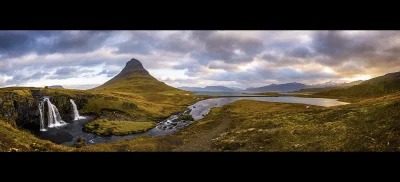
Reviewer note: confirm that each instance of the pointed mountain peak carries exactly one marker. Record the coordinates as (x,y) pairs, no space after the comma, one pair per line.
(133,67)
(135,78)
(134,63)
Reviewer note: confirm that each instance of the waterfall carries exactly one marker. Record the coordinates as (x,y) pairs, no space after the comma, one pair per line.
(41,108)
(75,111)
(54,118)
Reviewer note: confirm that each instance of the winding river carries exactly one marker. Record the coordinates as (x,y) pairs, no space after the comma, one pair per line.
(68,134)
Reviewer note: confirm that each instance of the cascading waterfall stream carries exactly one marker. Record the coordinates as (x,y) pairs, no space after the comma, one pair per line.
(75,110)
(54,118)
(41,108)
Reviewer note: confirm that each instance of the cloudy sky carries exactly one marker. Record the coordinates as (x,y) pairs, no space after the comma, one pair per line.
(85,59)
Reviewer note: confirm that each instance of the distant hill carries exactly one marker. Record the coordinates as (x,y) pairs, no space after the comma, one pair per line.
(351,83)
(287,87)
(191,89)
(135,78)
(374,87)
(331,87)
(218,89)
(236,89)
(208,89)
(388,77)
(55,86)
(323,85)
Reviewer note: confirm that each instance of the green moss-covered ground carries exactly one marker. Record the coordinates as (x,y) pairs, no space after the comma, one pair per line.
(15,140)
(369,125)
(106,128)
(151,106)
(370,89)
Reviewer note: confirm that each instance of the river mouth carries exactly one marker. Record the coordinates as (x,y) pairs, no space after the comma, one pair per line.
(69,133)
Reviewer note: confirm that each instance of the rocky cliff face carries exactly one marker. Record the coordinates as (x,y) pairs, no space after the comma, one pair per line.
(23,111)
(63,104)
(18,110)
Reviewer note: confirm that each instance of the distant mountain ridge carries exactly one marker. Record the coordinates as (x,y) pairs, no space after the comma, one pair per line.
(55,86)
(209,89)
(331,87)
(326,84)
(236,89)
(287,87)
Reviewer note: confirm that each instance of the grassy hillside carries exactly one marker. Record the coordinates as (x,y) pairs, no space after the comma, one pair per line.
(134,78)
(340,86)
(139,95)
(14,140)
(387,77)
(151,106)
(369,125)
(245,125)
(368,89)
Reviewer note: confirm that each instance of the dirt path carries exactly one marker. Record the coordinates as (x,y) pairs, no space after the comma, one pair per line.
(202,141)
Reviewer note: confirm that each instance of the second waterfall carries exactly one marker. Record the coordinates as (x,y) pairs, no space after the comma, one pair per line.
(75,111)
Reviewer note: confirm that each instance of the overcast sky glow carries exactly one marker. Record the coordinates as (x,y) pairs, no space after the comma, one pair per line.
(85,59)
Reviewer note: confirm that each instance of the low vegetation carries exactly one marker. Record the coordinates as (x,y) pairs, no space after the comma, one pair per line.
(369,90)
(369,125)
(80,143)
(106,128)
(372,88)
(14,140)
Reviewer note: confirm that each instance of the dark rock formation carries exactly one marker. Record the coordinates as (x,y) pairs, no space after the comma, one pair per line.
(19,111)
(55,86)
(23,111)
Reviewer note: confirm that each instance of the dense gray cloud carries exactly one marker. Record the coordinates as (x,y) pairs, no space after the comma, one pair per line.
(65,71)
(19,78)
(369,50)
(17,43)
(300,52)
(339,47)
(238,57)
(230,49)
(109,73)
(223,66)
(39,75)
(69,72)
(269,76)
(13,42)
(269,57)
(137,42)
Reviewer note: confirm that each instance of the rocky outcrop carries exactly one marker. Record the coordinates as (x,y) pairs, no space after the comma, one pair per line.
(19,110)
(23,111)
